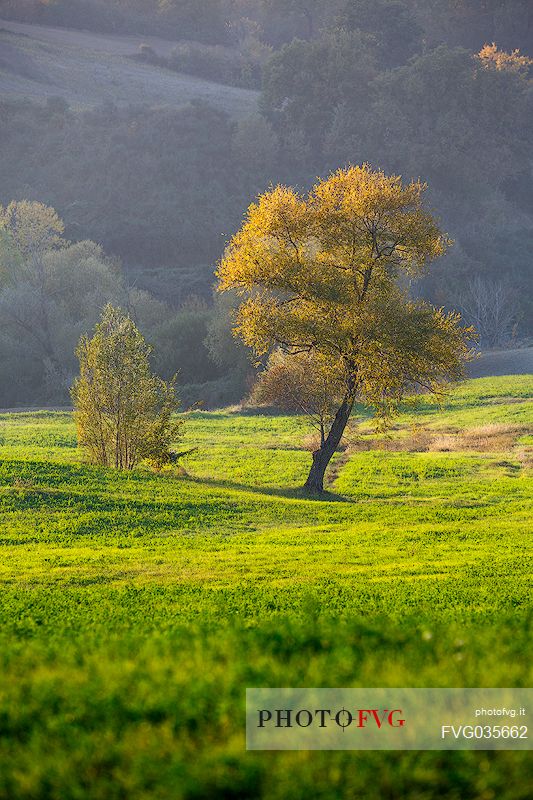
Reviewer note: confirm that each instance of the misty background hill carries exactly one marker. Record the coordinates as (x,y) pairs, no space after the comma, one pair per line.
(150,126)
(86,69)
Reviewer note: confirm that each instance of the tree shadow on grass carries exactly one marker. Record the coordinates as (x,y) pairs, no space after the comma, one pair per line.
(298,493)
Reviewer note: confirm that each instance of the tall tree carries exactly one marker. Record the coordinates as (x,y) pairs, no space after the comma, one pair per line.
(328,273)
(32,230)
(391,22)
(304,82)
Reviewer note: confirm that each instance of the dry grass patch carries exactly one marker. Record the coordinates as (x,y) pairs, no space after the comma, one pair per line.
(493,437)
(445,443)
(488,438)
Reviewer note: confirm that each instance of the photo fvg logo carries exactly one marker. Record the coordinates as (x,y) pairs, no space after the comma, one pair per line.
(323,717)
(385,718)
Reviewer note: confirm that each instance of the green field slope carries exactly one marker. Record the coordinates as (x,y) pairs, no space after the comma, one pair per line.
(136,608)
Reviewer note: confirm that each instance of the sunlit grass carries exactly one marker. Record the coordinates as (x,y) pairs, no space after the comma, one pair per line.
(136,608)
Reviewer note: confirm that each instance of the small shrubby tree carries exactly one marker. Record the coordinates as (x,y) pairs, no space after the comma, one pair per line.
(305,383)
(123,412)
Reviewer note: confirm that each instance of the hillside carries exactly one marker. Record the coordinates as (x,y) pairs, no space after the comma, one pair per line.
(86,69)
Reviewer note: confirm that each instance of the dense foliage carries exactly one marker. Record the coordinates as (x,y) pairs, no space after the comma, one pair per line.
(399,25)
(123,412)
(414,88)
(327,274)
(149,185)
(52,292)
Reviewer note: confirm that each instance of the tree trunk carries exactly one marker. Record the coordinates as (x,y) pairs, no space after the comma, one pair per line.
(321,457)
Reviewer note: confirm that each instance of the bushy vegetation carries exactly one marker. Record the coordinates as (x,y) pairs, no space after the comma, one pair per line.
(240,66)
(123,412)
(136,608)
(408,86)
(52,292)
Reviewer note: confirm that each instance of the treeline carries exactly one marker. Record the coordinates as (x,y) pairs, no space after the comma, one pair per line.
(52,292)
(465,23)
(153,186)
(162,190)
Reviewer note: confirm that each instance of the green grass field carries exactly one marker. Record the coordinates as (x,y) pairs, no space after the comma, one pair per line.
(136,608)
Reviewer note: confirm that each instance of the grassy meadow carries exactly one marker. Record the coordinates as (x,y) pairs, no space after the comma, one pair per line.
(136,608)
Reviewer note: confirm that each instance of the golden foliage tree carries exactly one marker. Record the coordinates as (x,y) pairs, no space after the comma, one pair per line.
(328,274)
(492,58)
(123,412)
